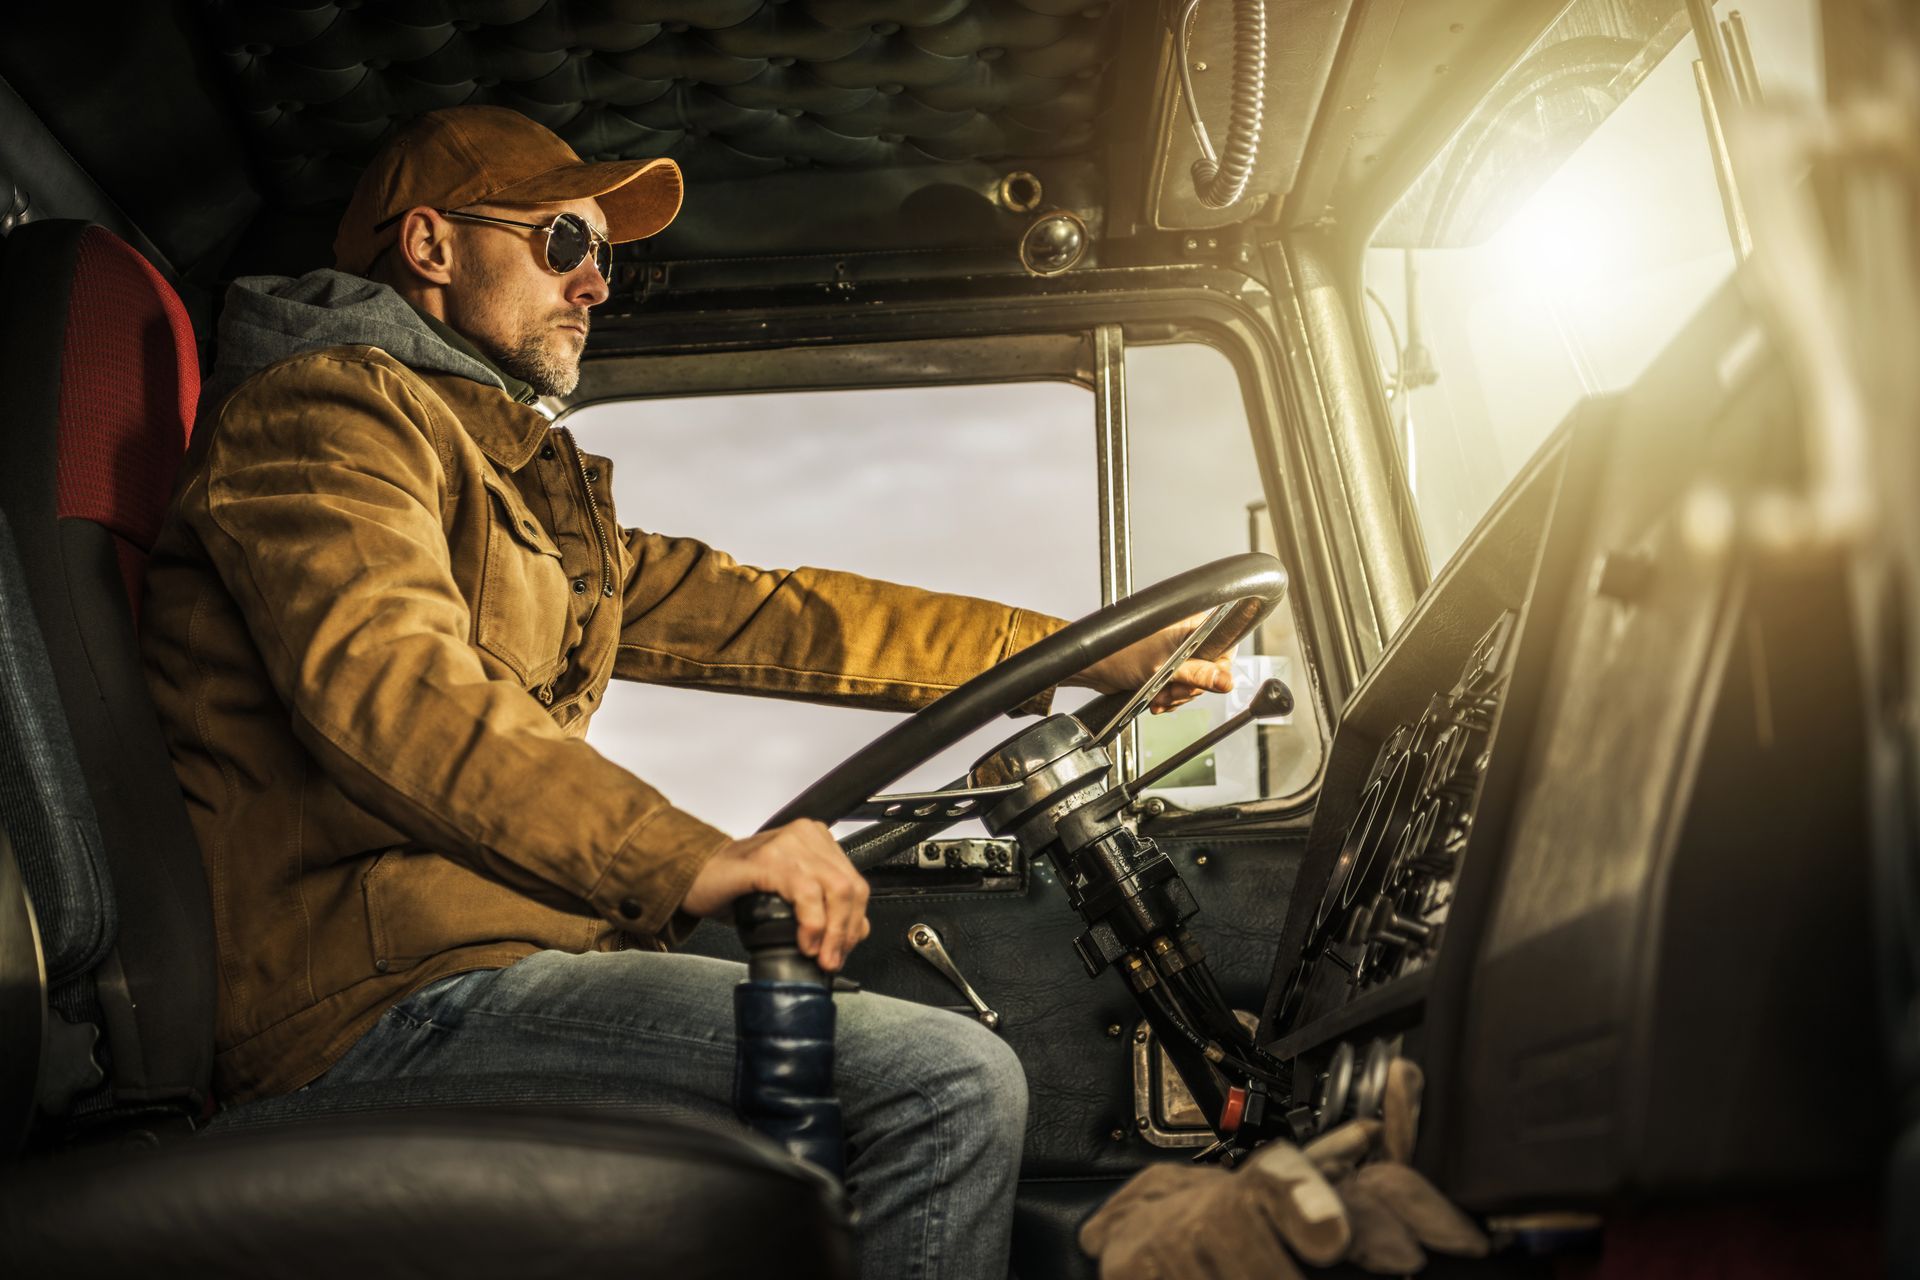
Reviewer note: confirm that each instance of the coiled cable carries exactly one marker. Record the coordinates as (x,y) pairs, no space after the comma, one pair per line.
(1220,179)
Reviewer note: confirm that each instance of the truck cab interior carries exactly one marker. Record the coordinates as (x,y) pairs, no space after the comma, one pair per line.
(1528,385)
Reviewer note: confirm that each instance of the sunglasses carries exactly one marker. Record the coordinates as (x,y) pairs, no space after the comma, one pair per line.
(569,239)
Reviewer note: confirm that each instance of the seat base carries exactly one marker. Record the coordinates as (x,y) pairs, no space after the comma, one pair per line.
(478,1192)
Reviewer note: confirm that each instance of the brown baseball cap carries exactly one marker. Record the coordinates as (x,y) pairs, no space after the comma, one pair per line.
(460,156)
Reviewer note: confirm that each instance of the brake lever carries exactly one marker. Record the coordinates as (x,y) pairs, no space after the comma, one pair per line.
(1272,698)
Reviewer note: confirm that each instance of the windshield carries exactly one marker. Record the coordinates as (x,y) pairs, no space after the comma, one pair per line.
(1486,343)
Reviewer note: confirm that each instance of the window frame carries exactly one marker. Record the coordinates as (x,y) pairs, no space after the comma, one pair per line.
(1014,337)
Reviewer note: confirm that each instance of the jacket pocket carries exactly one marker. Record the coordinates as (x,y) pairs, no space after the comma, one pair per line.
(422,904)
(521,615)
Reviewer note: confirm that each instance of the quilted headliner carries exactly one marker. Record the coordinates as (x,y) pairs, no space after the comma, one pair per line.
(729,88)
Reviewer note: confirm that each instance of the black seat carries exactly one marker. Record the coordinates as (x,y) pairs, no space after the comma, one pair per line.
(124,1174)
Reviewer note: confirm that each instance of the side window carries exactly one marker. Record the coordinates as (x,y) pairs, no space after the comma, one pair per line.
(1558,244)
(987,490)
(1194,495)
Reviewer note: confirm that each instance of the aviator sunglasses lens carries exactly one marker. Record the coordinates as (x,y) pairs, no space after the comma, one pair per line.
(567,241)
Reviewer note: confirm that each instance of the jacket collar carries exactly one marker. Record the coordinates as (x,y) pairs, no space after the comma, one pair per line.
(506,432)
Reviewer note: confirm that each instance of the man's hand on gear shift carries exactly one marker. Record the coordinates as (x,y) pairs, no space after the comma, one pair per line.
(1350,1195)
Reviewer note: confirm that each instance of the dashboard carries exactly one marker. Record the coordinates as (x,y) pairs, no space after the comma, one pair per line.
(1589,842)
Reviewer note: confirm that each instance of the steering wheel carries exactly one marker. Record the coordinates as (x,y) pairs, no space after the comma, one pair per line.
(1239,590)
(783,1013)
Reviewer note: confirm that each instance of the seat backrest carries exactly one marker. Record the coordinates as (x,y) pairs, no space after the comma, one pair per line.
(99,359)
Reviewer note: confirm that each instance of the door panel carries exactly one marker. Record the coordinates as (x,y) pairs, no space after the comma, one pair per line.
(1016,950)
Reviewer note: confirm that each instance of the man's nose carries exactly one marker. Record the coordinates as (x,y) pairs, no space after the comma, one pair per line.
(586,287)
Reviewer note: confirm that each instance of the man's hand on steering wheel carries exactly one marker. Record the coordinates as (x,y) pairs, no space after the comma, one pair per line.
(1127,670)
(800,862)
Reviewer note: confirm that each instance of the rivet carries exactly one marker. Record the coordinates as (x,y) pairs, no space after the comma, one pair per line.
(1140,1037)
(1118,1135)
(1140,1123)
(1199,859)
(593,475)
(1113,1029)
(546,454)
(380,965)
(1199,65)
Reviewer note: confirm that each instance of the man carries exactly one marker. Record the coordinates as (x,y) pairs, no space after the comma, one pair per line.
(385,605)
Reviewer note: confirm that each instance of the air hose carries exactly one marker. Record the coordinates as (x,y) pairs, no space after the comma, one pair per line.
(1221,179)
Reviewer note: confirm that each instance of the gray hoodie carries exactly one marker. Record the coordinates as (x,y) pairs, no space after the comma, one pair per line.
(269,318)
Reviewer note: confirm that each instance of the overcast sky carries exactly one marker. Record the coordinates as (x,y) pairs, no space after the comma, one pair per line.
(986,490)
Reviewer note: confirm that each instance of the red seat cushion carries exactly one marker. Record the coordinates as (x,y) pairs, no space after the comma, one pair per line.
(129,380)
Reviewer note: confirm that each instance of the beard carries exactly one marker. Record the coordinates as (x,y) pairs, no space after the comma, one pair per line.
(543,360)
(537,354)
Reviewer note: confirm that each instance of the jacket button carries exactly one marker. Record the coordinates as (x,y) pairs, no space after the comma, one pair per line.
(630,908)
(547,454)
(379,966)
(579,586)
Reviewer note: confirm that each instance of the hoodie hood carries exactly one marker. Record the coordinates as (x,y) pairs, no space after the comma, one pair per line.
(266,319)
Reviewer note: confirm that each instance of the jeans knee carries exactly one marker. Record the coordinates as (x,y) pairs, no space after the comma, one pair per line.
(990,1084)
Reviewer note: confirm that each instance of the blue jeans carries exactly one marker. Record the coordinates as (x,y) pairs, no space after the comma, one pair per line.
(935,1105)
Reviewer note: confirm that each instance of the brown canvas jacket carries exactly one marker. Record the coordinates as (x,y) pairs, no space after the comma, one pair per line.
(378,621)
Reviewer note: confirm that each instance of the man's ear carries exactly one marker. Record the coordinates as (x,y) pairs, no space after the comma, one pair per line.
(424,251)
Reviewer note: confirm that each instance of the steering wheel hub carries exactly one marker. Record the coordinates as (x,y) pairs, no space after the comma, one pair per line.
(1058,768)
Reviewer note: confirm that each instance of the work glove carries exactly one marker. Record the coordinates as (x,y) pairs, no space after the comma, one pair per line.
(1348,1196)
(1178,1222)
(1393,1213)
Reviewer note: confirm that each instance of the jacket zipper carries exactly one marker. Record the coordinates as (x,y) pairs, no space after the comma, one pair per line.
(593,513)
